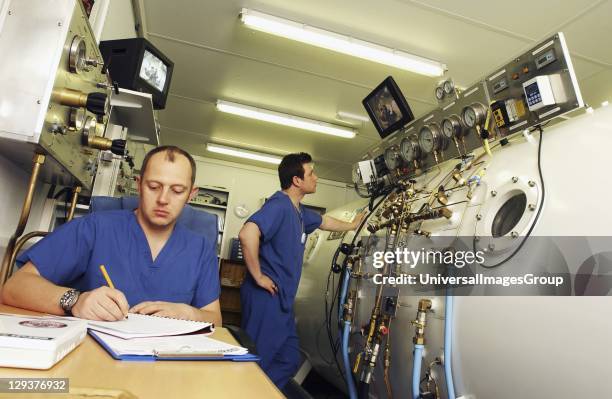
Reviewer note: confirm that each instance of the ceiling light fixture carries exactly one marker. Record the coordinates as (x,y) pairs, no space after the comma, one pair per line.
(340,43)
(349,117)
(236,152)
(284,119)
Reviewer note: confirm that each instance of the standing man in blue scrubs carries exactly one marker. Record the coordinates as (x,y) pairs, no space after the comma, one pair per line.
(156,266)
(273,246)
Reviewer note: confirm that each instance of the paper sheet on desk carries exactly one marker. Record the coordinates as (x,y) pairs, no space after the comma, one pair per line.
(183,344)
(141,326)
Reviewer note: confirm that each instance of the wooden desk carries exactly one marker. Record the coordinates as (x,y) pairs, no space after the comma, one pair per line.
(90,366)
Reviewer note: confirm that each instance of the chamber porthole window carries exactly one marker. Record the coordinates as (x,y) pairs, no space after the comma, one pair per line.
(509,215)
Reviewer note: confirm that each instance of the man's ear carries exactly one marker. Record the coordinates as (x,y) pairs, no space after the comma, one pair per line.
(296,181)
(193,193)
(138,181)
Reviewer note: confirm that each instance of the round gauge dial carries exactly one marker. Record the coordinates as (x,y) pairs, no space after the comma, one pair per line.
(77,55)
(448,86)
(473,115)
(431,139)
(410,149)
(439,92)
(392,158)
(451,127)
(427,141)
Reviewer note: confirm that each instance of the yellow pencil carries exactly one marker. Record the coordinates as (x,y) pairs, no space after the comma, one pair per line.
(108,280)
(107,277)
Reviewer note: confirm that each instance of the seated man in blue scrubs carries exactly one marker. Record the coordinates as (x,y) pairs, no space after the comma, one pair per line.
(273,246)
(156,266)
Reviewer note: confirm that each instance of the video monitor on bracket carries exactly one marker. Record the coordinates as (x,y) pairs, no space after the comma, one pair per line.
(136,64)
(387,107)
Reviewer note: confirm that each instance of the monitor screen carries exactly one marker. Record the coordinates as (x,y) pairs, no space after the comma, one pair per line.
(387,108)
(153,70)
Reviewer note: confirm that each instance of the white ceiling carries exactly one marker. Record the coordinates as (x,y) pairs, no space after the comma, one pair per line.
(216,57)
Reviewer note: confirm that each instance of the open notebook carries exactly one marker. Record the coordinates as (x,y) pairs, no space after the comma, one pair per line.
(148,338)
(141,326)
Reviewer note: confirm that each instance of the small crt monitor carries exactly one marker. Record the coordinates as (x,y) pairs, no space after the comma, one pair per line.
(387,108)
(153,70)
(136,64)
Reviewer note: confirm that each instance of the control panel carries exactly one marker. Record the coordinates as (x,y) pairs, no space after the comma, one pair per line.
(54,90)
(534,87)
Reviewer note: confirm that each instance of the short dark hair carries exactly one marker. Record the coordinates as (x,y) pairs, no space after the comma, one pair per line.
(292,165)
(170,150)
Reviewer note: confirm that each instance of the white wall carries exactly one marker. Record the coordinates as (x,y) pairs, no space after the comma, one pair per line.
(119,21)
(249,185)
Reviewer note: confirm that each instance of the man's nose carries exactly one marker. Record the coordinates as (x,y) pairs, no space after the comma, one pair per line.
(162,198)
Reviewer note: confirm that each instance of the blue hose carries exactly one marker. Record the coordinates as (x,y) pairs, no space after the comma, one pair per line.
(416,370)
(345,283)
(448,337)
(345,359)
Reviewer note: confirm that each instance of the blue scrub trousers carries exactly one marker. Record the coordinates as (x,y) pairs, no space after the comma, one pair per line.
(273,331)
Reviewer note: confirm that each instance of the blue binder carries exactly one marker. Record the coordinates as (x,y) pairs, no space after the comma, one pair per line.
(186,356)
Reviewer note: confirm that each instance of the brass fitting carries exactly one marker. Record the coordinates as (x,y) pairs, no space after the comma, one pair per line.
(99,143)
(447,213)
(348,307)
(458,178)
(69,97)
(441,196)
(421,321)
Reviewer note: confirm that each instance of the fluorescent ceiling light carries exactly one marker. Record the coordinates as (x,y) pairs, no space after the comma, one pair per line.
(347,116)
(235,152)
(284,119)
(340,43)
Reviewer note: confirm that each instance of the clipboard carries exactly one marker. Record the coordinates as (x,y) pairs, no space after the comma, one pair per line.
(174,355)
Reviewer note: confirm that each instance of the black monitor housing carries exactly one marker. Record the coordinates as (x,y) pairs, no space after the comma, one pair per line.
(388,108)
(136,64)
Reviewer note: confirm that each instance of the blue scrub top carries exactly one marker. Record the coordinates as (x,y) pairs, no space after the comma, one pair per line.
(281,249)
(185,271)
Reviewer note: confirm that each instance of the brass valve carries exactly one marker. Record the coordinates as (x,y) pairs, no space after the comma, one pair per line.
(421,321)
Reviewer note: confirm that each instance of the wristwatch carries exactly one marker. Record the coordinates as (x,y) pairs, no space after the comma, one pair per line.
(68,299)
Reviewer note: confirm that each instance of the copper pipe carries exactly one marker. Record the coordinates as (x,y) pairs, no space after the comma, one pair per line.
(5,270)
(22,240)
(75,196)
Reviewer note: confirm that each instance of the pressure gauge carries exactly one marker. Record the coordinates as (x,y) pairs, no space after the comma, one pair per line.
(448,86)
(77,55)
(451,127)
(430,138)
(474,114)
(409,149)
(392,158)
(439,93)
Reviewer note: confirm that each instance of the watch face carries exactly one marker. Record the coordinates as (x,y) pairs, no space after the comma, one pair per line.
(68,300)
